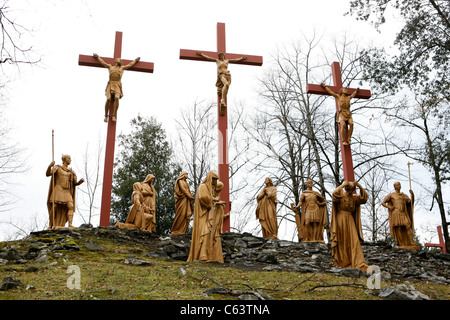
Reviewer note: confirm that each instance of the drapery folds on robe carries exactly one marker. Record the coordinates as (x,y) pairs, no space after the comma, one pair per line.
(266,210)
(139,213)
(216,224)
(183,206)
(202,225)
(346,228)
(149,193)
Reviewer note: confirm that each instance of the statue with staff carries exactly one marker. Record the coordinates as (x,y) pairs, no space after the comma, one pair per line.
(61,194)
(401,215)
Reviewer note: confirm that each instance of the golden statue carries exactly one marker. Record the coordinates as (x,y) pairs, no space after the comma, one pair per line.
(223,76)
(203,218)
(345,115)
(216,223)
(266,211)
(61,194)
(346,228)
(183,205)
(313,215)
(139,214)
(114,88)
(401,219)
(149,193)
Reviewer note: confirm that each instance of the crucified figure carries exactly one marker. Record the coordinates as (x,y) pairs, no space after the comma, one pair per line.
(345,115)
(223,76)
(114,88)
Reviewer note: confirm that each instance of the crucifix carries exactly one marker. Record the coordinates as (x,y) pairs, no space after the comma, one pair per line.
(140,66)
(346,152)
(222,58)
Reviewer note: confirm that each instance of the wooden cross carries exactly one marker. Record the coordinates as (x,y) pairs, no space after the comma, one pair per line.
(222,123)
(441,243)
(90,61)
(346,152)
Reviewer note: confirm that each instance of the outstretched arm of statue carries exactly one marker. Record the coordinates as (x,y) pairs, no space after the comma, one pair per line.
(103,63)
(205,56)
(132,63)
(239,59)
(354,93)
(328,90)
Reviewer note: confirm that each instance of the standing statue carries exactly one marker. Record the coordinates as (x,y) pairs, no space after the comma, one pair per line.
(149,193)
(266,211)
(139,212)
(216,222)
(313,215)
(401,219)
(223,77)
(61,194)
(346,228)
(114,87)
(201,230)
(203,205)
(345,115)
(183,205)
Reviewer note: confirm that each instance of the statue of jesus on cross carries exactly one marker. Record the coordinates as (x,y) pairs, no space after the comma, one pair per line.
(114,87)
(344,115)
(223,75)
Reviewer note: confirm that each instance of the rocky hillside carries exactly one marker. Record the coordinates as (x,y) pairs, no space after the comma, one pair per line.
(241,251)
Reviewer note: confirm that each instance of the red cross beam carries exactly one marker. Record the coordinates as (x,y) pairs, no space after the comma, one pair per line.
(346,152)
(141,66)
(222,123)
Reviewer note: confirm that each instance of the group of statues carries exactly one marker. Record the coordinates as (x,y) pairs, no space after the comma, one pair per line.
(208,209)
(208,213)
(345,227)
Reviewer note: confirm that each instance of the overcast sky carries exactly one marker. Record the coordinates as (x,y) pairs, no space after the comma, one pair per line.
(61,95)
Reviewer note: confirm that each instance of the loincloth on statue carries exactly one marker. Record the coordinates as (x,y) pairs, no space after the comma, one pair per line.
(114,87)
(344,115)
(226,75)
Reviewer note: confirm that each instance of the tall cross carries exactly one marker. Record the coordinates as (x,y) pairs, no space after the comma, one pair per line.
(141,66)
(347,162)
(222,123)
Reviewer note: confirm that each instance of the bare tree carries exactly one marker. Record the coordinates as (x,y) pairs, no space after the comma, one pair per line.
(196,140)
(197,148)
(12,49)
(296,133)
(92,172)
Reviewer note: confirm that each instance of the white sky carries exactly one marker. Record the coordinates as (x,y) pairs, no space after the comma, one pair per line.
(61,95)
